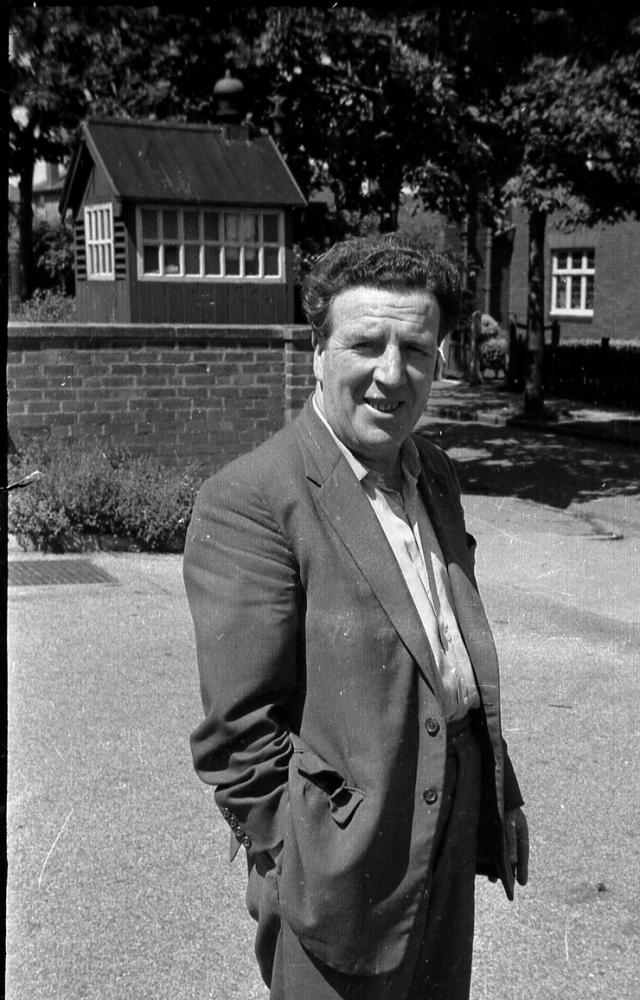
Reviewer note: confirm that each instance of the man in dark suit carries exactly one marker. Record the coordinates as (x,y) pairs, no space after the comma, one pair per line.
(348,672)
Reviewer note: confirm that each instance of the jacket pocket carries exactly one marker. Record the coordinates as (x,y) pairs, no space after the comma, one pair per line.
(343,799)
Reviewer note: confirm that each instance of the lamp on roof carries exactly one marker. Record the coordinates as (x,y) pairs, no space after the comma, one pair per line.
(228,93)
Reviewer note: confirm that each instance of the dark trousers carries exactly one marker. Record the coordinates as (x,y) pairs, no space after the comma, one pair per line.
(438,961)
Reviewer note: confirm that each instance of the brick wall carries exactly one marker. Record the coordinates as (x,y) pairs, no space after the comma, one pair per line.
(616,308)
(184,394)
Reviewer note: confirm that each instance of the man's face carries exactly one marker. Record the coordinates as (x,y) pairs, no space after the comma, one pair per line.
(376,369)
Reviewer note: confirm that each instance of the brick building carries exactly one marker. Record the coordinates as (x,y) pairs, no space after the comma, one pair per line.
(591,275)
(592,279)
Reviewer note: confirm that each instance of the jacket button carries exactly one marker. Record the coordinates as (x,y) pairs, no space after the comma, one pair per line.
(226,813)
(247,841)
(432,726)
(430,796)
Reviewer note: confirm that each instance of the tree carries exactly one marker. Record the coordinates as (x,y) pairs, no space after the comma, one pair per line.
(360,103)
(47,54)
(576,129)
(548,118)
(70,62)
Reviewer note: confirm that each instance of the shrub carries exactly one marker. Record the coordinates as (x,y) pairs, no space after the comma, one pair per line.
(493,353)
(46,306)
(489,327)
(53,256)
(86,492)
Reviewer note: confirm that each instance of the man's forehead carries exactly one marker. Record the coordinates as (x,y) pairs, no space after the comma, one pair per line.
(411,306)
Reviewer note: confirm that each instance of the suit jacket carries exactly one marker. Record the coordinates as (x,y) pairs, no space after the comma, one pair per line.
(310,651)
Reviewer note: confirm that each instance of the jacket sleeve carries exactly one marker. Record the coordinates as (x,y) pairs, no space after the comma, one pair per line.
(512,794)
(243,589)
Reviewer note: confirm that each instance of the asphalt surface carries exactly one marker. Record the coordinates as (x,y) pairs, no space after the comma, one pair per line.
(119,880)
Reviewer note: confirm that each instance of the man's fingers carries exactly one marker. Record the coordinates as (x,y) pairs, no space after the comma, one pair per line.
(522,838)
(517,834)
(512,842)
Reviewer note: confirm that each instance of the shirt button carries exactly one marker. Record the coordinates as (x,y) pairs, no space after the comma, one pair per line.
(432,726)
(430,796)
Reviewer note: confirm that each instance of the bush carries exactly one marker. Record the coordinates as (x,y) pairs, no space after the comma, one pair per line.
(46,306)
(493,353)
(489,327)
(53,256)
(85,493)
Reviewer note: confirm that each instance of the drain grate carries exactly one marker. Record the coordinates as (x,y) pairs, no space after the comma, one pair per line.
(38,572)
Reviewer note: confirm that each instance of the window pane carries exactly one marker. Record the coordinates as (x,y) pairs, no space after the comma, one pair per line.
(149,224)
(232,260)
(591,258)
(271,261)
(232,227)
(562,258)
(212,226)
(250,228)
(109,265)
(575,293)
(270,228)
(212,260)
(191,259)
(251,261)
(150,259)
(590,288)
(170,225)
(191,226)
(172,259)
(561,293)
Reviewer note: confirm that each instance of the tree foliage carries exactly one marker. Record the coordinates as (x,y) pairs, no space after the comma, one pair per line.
(571,130)
(474,109)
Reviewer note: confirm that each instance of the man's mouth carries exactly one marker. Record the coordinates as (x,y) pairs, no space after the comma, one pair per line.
(383,405)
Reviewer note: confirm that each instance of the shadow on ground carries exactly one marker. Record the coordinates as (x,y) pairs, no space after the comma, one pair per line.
(548,469)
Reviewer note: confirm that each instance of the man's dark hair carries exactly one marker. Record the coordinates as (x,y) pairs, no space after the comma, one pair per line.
(389,262)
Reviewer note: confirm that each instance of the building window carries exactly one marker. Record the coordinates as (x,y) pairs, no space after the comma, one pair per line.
(210,245)
(98,237)
(573,275)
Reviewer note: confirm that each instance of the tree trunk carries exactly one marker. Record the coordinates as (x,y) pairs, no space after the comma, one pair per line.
(24,288)
(475,376)
(533,402)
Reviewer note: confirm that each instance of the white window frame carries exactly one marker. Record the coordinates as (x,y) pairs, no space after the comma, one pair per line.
(577,269)
(99,242)
(241,245)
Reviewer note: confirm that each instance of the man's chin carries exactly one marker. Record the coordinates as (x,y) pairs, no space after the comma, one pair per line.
(377,445)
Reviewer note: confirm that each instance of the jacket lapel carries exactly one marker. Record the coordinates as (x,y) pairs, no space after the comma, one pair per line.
(344,503)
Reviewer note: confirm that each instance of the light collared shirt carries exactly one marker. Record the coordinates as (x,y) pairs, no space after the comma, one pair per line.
(408,529)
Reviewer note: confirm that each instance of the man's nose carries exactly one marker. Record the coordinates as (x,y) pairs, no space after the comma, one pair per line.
(390,369)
